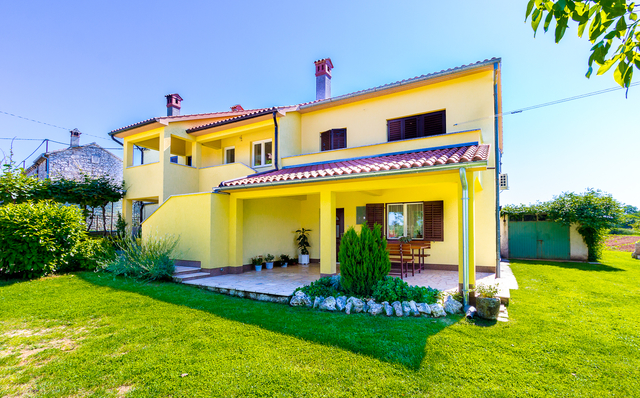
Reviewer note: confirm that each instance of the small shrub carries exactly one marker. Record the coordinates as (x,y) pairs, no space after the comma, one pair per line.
(269,258)
(37,239)
(285,258)
(324,287)
(364,260)
(146,259)
(486,291)
(395,289)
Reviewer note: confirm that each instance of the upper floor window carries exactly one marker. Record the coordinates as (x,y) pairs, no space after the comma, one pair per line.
(262,153)
(433,123)
(333,139)
(229,154)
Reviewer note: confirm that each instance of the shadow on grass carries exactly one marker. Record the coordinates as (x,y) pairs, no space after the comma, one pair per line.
(395,340)
(572,265)
(7,281)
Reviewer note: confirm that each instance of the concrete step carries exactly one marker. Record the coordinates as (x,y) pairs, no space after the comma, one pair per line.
(189,277)
(185,270)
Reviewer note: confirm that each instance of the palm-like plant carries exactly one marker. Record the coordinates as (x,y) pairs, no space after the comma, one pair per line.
(303,240)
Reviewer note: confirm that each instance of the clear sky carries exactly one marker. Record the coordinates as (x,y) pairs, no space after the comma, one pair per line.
(98,66)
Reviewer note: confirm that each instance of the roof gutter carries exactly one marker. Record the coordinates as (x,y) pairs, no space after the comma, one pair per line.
(465,235)
(443,167)
(275,123)
(498,161)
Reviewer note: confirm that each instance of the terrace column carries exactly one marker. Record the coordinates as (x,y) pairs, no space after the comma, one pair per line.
(327,233)
(236,219)
(471,228)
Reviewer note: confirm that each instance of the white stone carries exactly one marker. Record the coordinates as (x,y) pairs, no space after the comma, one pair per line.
(437,310)
(406,308)
(329,304)
(341,303)
(318,301)
(387,308)
(451,305)
(424,308)
(397,308)
(413,308)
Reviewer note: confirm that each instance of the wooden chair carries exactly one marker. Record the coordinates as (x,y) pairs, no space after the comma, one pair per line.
(403,256)
(420,252)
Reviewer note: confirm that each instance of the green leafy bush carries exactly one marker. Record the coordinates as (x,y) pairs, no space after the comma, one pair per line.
(147,259)
(37,239)
(395,289)
(324,287)
(364,260)
(90,254)
(486,291)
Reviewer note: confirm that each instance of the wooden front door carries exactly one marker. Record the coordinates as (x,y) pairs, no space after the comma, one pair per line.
(339,229)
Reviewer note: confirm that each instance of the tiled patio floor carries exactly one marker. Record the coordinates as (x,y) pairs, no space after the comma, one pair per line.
(283,281)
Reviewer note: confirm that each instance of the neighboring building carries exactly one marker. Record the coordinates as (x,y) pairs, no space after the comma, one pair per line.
(76,161)
(420,157)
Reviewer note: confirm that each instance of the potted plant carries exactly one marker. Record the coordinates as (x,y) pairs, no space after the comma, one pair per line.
(257,262)
(487,302)
(284,259)
(268,260)
(303,245)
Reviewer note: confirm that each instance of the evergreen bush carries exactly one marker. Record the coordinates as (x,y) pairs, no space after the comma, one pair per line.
(364,260)
(40,238)
(395,289)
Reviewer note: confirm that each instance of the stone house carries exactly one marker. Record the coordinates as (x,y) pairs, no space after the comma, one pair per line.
(78,160)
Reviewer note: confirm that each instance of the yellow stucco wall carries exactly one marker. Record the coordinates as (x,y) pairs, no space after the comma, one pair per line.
(200,221)
(269,226)
(211,177)
(468,102)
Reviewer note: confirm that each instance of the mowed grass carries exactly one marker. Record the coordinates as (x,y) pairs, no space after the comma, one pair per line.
(572,332)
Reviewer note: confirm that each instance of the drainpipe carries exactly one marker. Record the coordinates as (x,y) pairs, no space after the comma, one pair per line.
(498,165)
(275,157)
(465,235)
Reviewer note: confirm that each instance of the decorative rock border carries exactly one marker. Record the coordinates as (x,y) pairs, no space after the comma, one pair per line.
(353,305)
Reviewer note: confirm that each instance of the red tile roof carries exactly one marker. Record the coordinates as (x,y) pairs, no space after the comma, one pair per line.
(419,159)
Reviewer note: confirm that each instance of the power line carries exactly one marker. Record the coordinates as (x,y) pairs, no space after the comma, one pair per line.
(556,102)
(43,141)
(49,124)
(33,139)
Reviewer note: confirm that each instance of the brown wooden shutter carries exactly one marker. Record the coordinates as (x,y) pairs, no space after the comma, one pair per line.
(325,141)
(395,129)
(339,138)
(434,123)
(434,221)
(410,128)
(375,215)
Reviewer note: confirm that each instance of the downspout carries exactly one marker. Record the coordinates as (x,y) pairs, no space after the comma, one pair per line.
(465,235)
(276,143)
(498,161)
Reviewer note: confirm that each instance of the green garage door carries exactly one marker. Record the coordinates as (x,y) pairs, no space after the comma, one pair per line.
(539,239)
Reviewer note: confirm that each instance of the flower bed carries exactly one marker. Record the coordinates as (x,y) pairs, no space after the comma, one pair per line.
(622,243)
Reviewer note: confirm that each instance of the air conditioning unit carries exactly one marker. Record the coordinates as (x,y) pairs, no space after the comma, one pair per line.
(504,181)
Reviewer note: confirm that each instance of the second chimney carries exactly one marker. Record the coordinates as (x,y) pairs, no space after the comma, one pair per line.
(75,138)
(173,104)
(323,78)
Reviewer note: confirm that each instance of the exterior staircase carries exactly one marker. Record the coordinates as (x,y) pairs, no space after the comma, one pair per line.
(185,273)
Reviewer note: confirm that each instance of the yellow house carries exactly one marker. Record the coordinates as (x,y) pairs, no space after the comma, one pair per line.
(420,156)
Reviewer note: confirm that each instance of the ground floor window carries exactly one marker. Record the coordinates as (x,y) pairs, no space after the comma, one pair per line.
(405,219)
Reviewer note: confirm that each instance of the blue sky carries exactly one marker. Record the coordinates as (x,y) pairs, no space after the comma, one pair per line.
(97,66)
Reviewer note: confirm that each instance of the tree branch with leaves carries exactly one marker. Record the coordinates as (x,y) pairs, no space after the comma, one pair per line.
(611,27)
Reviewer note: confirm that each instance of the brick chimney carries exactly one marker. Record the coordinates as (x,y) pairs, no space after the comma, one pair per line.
(323,78)
(75,138)
(173,104)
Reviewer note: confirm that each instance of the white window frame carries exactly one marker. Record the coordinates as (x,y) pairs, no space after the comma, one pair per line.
(225,154)
(263,153)
(404,213)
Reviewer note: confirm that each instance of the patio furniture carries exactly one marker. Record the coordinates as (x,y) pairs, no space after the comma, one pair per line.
(402,255)
(420,252)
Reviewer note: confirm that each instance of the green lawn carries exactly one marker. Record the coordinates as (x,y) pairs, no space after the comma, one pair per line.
(573,332)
